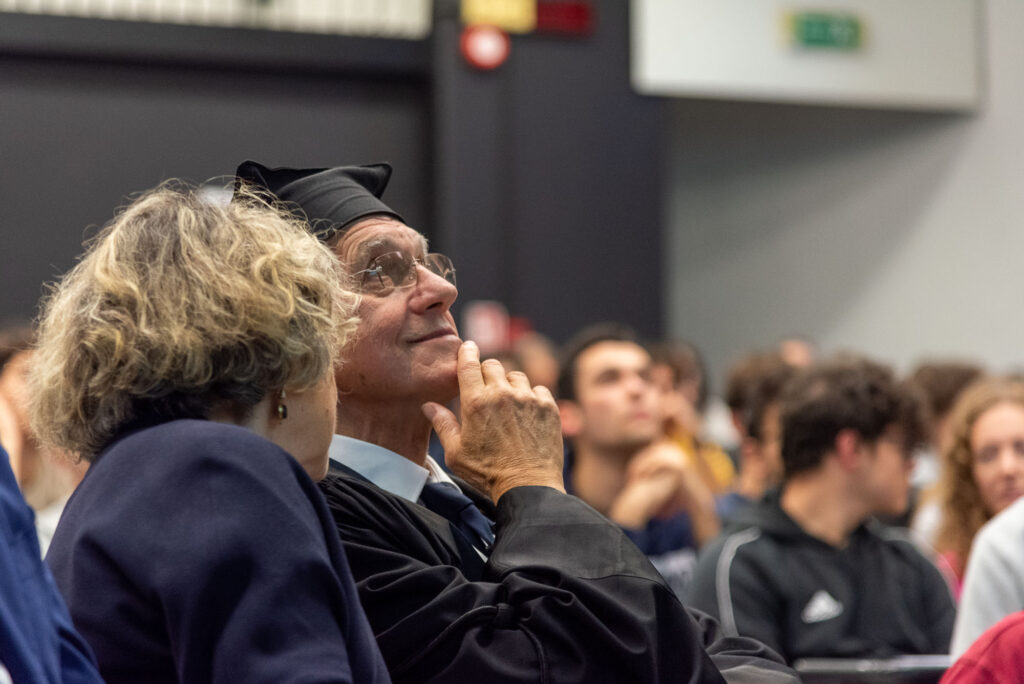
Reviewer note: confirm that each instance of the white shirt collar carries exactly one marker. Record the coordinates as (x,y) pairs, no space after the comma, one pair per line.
(388,470)
(437,473)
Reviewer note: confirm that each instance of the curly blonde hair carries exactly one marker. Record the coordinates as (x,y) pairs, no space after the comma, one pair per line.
(178,306)
(963,512)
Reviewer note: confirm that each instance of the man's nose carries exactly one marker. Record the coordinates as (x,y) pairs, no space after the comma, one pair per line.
(638,385)
(431,291)
(1010,462)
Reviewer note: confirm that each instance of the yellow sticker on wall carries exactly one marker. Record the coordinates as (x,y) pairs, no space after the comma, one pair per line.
(514,16)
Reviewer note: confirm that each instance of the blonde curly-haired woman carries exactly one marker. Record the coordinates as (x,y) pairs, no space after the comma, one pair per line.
(188,357)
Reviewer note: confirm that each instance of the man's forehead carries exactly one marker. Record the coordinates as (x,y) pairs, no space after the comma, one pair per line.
(377,234)
(613,354)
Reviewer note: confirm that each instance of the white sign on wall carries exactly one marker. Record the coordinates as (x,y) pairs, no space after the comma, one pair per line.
(410,19)
(914,54)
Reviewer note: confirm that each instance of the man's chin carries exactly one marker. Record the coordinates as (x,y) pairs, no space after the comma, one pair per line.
(443,389)
(636,442)
(451,389)
(895,510)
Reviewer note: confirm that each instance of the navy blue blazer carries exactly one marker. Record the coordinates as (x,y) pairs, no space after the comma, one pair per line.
(196,551)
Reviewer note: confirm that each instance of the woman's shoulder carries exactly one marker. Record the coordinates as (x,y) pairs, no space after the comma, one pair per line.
(186,471)
(174,444)
(184,432)
(191,461)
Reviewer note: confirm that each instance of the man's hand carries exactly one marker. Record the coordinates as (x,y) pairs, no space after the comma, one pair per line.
(510,435)
(660,482)
(654,486)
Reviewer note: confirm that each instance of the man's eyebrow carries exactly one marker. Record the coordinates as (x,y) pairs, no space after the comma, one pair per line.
(378,245)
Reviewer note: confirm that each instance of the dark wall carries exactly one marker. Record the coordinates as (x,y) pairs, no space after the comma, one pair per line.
(542,178)
(81,130)
(550,190)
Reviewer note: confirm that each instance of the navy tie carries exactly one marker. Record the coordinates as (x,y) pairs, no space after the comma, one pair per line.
(448,501)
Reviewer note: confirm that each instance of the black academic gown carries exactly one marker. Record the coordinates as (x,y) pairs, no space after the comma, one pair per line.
(563,597)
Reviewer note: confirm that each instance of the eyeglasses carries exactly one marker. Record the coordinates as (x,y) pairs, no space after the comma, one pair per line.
(396,270)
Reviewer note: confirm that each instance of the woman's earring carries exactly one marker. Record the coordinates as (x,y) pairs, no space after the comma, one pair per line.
(282,409)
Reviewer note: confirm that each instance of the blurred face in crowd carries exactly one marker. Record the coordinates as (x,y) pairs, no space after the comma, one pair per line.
(997,449)
(678,401)
(671,399)
(406,344)
(617,401)
(888,465)
(796,352)
(14,431)
(771,444)
(538,360)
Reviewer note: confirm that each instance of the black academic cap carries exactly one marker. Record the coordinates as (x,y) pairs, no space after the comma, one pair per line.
(330,199)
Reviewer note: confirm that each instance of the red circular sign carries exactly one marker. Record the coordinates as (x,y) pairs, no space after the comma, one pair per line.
(485,47)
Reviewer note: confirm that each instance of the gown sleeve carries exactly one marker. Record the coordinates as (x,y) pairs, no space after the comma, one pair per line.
(564,595)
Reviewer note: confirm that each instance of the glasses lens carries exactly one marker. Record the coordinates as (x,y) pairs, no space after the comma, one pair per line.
(386,272)
(440,265)
(396,270)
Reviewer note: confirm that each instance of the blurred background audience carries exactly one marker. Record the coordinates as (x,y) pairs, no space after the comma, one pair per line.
(982,465)
(753,387)
(679,375)
(46,476)
(807,570)
(619,458)
(993,585)
(941,382)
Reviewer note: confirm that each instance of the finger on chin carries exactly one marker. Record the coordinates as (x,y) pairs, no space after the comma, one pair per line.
(470,377)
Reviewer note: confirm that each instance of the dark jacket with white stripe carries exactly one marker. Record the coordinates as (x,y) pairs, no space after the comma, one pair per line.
(764,577)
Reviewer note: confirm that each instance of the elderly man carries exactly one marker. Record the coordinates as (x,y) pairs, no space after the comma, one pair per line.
(504,578)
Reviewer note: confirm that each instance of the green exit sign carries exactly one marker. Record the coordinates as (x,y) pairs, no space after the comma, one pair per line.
(825,30)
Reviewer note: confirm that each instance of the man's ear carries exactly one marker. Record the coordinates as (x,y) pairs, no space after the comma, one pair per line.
(848,448)
(572,417)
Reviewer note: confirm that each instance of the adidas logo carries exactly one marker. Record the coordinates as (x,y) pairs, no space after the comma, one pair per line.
(821,607)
